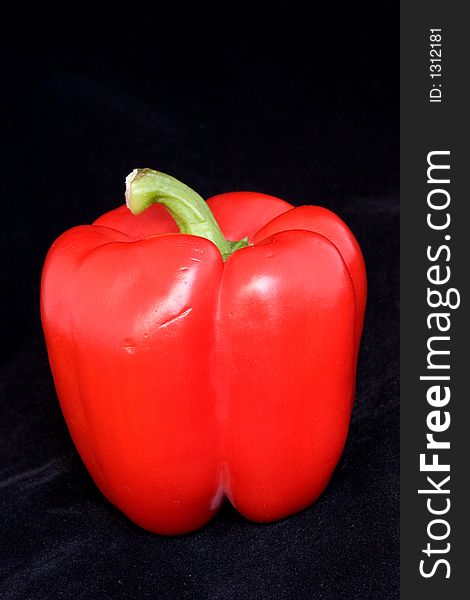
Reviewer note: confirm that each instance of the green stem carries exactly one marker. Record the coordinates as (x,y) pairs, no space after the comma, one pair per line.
(188,209)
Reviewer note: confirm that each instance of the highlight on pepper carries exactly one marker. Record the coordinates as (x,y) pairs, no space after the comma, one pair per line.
(205,350)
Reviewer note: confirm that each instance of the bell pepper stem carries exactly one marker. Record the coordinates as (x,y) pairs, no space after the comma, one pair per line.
(191,213)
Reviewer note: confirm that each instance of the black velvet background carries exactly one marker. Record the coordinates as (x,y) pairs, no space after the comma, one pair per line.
(305,108)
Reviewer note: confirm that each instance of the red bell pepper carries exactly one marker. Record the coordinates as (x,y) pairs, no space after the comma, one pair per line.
(190,368)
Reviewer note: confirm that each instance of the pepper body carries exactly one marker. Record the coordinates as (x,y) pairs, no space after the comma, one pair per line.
(185,379)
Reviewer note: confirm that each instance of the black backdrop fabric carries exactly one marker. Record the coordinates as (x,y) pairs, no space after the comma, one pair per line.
(304,108)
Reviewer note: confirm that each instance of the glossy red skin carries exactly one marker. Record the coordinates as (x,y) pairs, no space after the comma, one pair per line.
(184,380)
